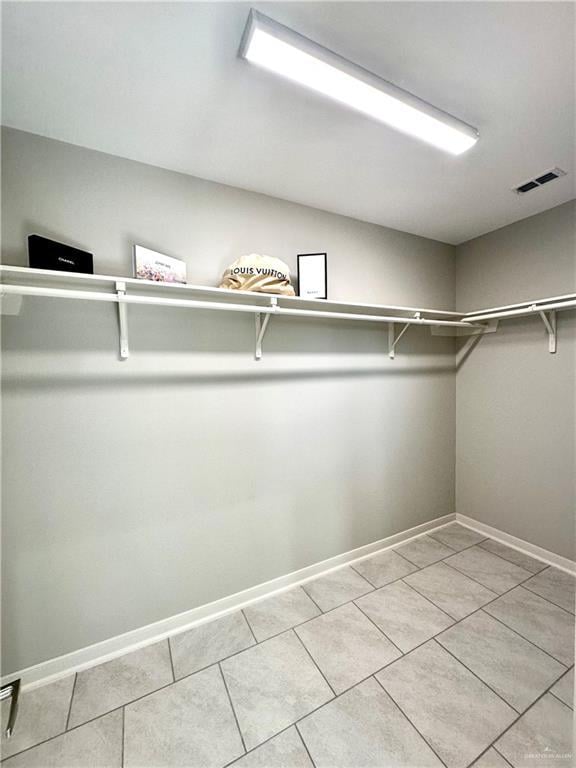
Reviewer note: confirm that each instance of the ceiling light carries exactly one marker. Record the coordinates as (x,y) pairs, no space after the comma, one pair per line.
(285,52)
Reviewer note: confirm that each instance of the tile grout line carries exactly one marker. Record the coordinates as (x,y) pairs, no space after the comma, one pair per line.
(439,644)
(425,740)
(527,639)
(71,700)
(253,749)
(454,549)
(530,557)
(428,639)
(232,708)
(314,662)
(171,660)
(434,562)
(513,723)
(523,583)
(454,618)
(479,544)
(189,674)
(546,598)
(494,592)
(352,600)
(545,565)
(313,618)
(376,587)
(372,674)
(305,745)
(371,589)
(249,627)
(468,546)
(364,577)
(400,651)
(481,608)
(315,603)
(501,755)
(557,681)
(442,610)
(500,594)
(123,734)
(418,567)
(559,699)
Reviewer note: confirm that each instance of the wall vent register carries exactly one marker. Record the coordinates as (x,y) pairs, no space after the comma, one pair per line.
(539,181)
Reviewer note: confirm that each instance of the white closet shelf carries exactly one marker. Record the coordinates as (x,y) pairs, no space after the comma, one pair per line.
(23,281)
(26,276)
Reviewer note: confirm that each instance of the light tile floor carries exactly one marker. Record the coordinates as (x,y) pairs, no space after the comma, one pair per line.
(451,650)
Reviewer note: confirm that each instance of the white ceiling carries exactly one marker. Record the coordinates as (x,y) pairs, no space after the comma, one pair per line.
(161,83)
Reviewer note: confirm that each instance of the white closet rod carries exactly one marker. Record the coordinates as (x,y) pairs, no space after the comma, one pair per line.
(122,298)
(524,312)
(523,304)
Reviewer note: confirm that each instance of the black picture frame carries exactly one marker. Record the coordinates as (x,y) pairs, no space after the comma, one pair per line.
(325,291)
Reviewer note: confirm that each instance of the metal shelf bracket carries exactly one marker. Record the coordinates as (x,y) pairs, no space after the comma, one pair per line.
(393,340)
(549,321)
(262,319)
(123,321)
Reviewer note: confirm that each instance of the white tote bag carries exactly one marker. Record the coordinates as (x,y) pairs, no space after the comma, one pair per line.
(255,272)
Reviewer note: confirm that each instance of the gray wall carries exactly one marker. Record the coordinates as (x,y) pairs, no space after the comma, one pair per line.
(516,419)
(133,491)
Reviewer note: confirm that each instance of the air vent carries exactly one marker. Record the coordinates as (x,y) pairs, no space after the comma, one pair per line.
(544,178)
(526,187)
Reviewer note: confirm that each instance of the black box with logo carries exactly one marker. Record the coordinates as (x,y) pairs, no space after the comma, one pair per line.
(48,254)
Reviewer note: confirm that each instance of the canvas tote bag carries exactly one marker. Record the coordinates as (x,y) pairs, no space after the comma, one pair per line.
(255,272)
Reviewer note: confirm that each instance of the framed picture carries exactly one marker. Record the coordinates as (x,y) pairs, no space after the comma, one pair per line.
(312,276)
(151,265)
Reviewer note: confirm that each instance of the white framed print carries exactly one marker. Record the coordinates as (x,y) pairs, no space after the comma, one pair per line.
(312,276)
(152,265)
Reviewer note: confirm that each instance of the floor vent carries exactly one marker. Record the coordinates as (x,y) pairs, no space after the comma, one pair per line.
(539,181)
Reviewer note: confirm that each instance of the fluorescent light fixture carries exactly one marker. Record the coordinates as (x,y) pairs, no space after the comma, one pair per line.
(287,53)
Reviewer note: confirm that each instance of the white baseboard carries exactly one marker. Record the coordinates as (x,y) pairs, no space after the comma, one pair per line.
(550,558)
(53,669)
